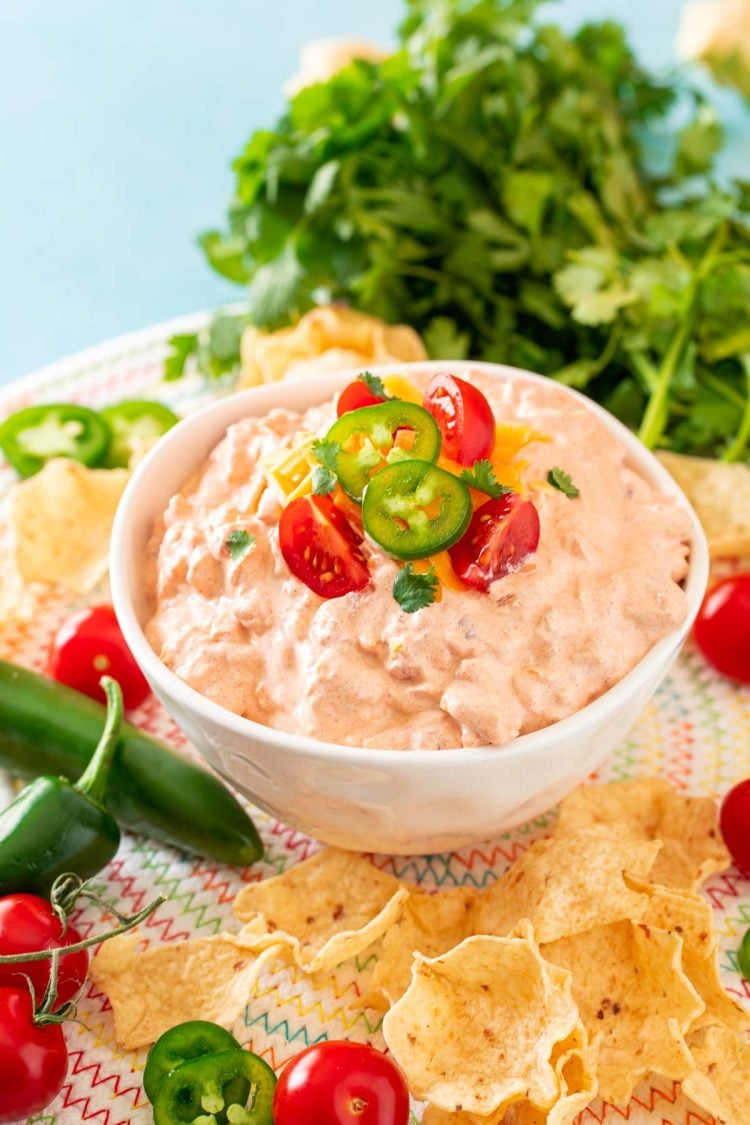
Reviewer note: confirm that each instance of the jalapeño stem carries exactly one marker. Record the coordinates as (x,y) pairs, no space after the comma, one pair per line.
(93,781)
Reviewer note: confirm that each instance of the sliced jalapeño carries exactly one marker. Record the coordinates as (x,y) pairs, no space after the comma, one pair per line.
(413,509)
(376,436)
(179,1045)
(31,437)
(137,419)
(234,1087)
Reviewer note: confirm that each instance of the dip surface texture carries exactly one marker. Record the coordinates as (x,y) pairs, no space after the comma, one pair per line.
(471,669)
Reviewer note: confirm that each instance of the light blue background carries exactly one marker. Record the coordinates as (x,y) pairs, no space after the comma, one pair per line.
(118,122)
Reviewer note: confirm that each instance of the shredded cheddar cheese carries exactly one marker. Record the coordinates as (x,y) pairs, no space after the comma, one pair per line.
(399,387)
(292,472)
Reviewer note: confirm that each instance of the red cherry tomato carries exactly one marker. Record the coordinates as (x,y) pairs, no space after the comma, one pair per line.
(321,547)
(33,1059)
(354,396)
(502,533)
(722,628)
(341,1083)
(464,416)
(87,645)
(735,823)
(28,923)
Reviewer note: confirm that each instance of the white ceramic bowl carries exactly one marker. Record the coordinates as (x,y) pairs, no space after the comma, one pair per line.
(401,802)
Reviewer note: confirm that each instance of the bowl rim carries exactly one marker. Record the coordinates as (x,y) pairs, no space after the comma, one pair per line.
(561,731)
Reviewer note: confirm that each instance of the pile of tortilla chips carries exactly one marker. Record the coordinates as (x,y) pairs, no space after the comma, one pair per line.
(588,965)
(328,338)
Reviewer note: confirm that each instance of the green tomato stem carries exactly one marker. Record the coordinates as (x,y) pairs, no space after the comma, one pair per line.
(49,954)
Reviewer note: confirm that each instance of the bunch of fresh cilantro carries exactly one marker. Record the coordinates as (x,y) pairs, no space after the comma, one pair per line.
(517,195)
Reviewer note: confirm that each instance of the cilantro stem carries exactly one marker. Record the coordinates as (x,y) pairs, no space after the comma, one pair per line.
(736,450)
(645,371)
(723,390)
(610,348)
(657,410)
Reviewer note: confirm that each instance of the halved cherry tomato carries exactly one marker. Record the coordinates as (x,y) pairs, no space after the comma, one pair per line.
(502,533)
(33,1057)
(722,628)
(321,547)
(464,416)
(735,823)
(90,644)
(354,396)
(28,923)
(341,1083)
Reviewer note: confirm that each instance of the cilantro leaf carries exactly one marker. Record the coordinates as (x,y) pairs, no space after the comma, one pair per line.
(562,481)
(324,475)
(482,477)
(324,481)
(225,254)
(274,288)
(443,339)
(182,348)
(238,543)
(325,453)
(414,591)
(592,287)
(374,385)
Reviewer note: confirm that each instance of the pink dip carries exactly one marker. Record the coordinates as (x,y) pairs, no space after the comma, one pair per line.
(475,668)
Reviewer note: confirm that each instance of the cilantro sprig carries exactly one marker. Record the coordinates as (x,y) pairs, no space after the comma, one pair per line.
(482,477)
(415,591)
(561,480)
(324,474)
(374,385)
(238,543)
(551,240)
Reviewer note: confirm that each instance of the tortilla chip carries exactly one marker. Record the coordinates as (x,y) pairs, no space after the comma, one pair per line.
(634,993)
(61,520)
(721,1082)
(477,1028)
(435,1116)
(329,338)
(428,924)
(687,914)
(566,885)
(680,912)
(650,808)
(720,493)
(575,1064)
(324,910)
(155,989)
(721,1008)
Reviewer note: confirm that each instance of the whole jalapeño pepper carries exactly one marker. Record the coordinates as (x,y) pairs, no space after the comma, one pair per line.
(47,728)
(54,827)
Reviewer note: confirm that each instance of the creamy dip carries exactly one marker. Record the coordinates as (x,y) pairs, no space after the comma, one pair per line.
(471,669)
